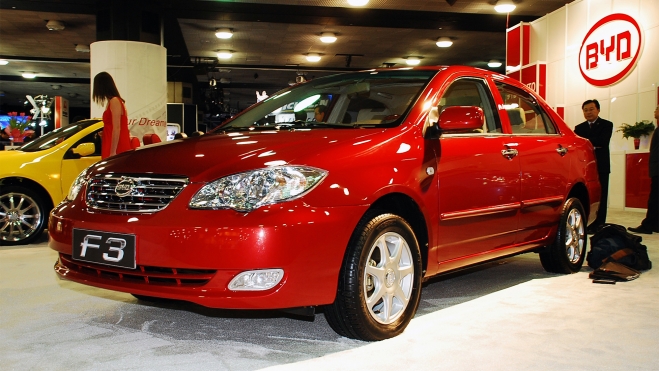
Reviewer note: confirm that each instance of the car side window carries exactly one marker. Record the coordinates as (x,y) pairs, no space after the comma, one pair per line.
(472,92)
(525,114)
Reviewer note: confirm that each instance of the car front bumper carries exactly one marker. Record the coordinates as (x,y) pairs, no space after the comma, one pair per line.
(192,255)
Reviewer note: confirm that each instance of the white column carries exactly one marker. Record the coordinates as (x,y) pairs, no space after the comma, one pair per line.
(140,72)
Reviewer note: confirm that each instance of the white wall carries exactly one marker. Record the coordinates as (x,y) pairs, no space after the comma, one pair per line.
(556,38)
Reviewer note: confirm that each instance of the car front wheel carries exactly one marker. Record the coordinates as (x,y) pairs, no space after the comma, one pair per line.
(22,216)
(567,253)
(380,280)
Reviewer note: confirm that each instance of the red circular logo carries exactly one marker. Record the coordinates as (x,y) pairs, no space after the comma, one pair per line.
(610,50)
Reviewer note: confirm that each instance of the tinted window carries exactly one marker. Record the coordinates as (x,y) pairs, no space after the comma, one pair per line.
(347,100)
(56,136)
(472,92)
(524,113)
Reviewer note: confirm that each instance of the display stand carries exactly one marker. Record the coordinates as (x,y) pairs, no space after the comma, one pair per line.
(637,179)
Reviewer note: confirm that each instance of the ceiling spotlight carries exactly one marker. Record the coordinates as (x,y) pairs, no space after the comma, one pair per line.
(444,42)
(313,57)
(327,37)
(224,54)
(29,75)
(212,82)
(82,48)
(412,61)
(493,63)
(223,33)
(357,2)
(504,6)
(55,25)
(3,62)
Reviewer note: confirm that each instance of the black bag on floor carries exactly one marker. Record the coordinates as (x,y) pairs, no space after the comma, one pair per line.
(613,238)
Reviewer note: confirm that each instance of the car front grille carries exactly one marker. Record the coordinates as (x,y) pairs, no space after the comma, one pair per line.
(154,276)
(134,194)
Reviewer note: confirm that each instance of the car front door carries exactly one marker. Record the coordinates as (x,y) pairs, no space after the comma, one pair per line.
(479,181)
(73,164)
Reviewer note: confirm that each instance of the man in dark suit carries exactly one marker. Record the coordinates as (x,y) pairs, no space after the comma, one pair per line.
(651,222)
(598,131)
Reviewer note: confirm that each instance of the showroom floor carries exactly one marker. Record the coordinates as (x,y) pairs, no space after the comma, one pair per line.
(504,315)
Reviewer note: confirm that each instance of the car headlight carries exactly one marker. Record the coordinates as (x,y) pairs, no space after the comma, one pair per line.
(77,185)
(250,190)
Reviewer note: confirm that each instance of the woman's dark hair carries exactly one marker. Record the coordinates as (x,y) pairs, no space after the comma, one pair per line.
(104,88)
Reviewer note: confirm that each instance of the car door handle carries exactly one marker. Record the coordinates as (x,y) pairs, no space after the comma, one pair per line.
(509,153)
(561,150)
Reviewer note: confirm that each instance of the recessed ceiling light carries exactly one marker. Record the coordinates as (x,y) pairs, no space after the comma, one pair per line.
(313,57)
(3,62)
(53,25)
(224,54)
(444,42)
(357,2)
(493,63)
(223,33)
(82,48)
(327,37)
(504,6)
(29,75)
(412,61)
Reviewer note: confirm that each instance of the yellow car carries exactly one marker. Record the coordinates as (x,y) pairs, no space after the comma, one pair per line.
(37,176)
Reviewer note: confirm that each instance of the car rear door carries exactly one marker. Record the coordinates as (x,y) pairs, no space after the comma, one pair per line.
(479,181)
(544,159)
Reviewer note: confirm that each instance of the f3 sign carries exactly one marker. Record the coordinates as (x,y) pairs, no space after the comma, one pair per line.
(610,50)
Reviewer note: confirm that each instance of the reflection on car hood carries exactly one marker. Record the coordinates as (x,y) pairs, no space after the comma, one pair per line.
(13,159)
(215,155)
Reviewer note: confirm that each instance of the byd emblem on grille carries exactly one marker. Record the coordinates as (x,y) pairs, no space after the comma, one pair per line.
(124,187)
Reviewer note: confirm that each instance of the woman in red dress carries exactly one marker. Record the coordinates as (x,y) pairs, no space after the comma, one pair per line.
(116,137)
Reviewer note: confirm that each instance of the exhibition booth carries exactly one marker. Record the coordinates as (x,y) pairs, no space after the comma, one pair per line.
(597,49)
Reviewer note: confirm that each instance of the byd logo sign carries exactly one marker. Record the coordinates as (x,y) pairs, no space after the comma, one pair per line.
(610,50)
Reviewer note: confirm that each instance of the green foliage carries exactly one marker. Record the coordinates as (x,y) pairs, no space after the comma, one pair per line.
(637,130)
(20,122)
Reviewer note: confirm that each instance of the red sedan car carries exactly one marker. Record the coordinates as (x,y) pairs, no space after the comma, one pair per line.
(344,192)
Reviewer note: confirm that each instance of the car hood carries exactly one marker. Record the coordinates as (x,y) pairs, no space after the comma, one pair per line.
(12,160)
(212,156)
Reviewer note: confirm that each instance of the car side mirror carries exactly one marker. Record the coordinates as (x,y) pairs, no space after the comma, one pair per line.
(461,118)
(84,149)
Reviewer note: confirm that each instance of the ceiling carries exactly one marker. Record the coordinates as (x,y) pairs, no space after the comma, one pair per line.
(270,42)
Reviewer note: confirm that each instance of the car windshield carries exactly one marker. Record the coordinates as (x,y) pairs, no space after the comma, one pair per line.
(374,98)
(56,136)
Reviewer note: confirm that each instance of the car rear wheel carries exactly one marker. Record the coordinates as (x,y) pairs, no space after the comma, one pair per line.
(567,253)
(380,280)
(22,215)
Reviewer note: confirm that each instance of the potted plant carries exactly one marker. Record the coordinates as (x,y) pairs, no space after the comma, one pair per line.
(636,131)
(18,127)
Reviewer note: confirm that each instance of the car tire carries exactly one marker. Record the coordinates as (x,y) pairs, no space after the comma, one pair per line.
(567,253)
(380,280)
(22,215)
